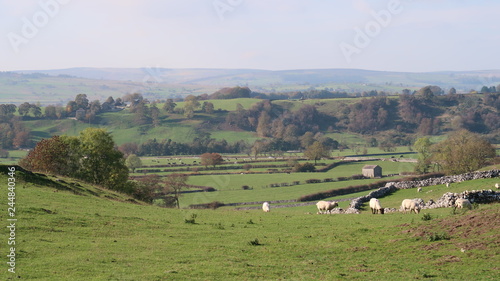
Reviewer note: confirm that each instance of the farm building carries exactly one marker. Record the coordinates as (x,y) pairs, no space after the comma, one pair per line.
(372,171)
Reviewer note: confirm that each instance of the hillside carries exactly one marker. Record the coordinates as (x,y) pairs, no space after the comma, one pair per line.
(56,86)
(347,120)
(265,78)
(66,236)
(18,88)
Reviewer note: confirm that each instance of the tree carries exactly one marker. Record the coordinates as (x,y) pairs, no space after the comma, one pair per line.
(208,107)
(101,162)
(316,151)
(128,148)
(485,89)
(24,108)
(133,162)
(191,103)
(263,127)
(169,106)
(173,186)
(146,188)
(7,109)
(81,101)
(211,159)
(463,152)
(452,91)
(48,156)
(307,139)
(423,147)
(155,115)
(50,112)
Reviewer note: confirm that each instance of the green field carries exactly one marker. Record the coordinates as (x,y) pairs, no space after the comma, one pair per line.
(64,236)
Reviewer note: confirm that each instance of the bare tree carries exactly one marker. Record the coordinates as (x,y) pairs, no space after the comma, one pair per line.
(173,186)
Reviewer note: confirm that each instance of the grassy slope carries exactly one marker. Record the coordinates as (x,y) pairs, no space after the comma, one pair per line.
(121,124)
(63,236)
(178,128)
(59,90)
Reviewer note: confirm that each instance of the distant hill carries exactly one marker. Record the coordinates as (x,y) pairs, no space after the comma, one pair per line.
(461,80)
(58,86)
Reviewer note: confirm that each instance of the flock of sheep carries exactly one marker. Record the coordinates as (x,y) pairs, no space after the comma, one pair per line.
(407,206)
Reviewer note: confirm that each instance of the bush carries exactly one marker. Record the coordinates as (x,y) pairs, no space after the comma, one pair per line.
(426,217)
(357,177)
(219,226)
(245,187)
(438,236)
(313,181)
(212,205)
(247,167)
(191,220)
(306,167)
(254,242)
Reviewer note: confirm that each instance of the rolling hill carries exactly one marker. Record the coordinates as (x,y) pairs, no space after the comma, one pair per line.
(72,231)
(59,85)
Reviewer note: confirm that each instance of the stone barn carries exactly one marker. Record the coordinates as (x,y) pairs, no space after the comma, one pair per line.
(372,171)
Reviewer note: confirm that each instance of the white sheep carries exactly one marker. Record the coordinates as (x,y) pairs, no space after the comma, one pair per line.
(410,205)
(376,207)
(326,206)
(463,203)
(497,186)
(419,189)
(265,207)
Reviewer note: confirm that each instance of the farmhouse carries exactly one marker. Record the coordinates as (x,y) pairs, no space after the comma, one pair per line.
(372,171)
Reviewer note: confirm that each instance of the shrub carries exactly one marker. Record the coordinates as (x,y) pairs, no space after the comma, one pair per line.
(218,226)
(306,167)
(426,217)
(438,236)
(212,205)
(313,181)
(191,220)
(245,187)
(342,178)
(254,242)
(328,180)
(247,167)
(358,177)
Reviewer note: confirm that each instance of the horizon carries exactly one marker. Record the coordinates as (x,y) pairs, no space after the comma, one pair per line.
(249,69)
(385,35)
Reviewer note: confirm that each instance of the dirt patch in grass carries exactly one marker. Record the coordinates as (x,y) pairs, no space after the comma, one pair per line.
(447,259)
(479,228)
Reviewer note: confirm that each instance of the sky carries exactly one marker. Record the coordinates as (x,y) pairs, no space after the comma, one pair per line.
(387,35)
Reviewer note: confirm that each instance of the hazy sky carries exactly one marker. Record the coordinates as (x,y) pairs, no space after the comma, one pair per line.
(404,35)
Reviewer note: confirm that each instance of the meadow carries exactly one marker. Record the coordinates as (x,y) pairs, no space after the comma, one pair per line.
(99,235)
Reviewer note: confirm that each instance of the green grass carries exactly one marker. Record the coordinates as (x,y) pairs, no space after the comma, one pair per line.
(229,105)
(63,236)
(14,156)
(229,186)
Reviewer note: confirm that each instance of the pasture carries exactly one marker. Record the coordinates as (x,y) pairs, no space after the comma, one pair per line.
(64,236)
(229,183)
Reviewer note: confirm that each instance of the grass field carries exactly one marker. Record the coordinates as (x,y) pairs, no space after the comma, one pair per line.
(63,236)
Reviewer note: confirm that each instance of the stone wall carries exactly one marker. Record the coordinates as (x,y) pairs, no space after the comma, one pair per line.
(446,179)
(447,200)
